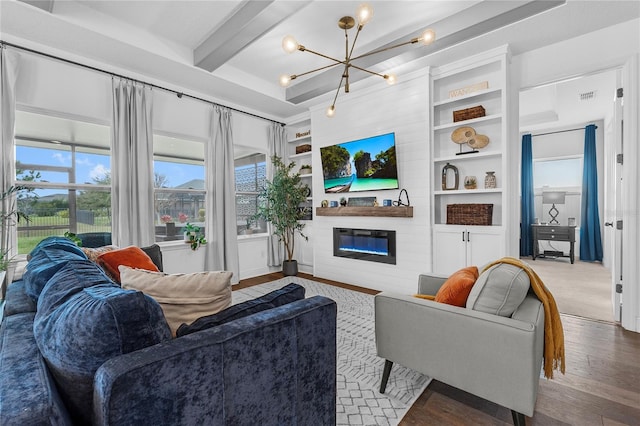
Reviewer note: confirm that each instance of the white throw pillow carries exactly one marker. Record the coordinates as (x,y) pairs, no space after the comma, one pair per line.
(183,297)
(499,290)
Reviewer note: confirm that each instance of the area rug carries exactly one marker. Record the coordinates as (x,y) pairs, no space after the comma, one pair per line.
(359,369)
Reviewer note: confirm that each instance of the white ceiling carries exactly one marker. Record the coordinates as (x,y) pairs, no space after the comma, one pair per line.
(240,40)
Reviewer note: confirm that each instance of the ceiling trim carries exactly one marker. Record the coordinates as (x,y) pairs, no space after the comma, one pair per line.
(248,23)
(46,5)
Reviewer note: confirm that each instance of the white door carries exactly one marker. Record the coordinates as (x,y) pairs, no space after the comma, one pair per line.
(449,248)
(484,245)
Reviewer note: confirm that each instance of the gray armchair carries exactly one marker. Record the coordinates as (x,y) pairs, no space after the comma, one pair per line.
(496,358)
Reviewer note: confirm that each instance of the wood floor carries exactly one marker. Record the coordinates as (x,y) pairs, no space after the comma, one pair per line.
(601,385)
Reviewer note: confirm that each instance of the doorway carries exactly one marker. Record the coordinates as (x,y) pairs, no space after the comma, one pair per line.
(556,114)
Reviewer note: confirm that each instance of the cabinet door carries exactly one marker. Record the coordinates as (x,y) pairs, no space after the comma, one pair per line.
(449,249)
(484,246)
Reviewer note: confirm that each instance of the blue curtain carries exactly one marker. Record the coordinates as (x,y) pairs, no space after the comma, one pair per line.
(527,210)
(590,239)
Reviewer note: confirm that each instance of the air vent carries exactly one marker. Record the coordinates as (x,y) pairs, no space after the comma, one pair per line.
(587,96)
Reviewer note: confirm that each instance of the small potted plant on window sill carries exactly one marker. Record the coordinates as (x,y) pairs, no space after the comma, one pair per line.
(193,236)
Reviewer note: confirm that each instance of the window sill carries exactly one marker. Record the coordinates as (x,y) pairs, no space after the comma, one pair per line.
(253,236)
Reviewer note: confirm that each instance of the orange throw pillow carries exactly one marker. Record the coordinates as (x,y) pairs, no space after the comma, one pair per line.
(456,289)
(131,256)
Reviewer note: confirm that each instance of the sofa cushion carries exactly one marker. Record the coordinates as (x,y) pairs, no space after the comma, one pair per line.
(131,256)
(456,288)
(83,320)
(287,294)
(92,253)
(28,394)
(16,300)
(499,290)
(183,297)
(47,258)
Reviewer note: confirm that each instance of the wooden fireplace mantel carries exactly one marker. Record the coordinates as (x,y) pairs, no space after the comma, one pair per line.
(381,211)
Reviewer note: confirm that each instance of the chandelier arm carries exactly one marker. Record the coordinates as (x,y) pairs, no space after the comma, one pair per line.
(384,49)
(335,98)
(366,70)
(317,69)
(353,45)
(338,61)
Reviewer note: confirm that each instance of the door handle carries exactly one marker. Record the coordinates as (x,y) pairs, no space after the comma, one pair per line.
(608,224)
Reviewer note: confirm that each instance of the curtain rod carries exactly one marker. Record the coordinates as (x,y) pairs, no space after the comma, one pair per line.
(179,94)
(560,131)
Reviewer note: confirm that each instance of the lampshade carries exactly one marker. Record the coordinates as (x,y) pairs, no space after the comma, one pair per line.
(553,197)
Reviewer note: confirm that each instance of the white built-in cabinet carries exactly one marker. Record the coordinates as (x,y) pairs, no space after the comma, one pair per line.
(299,133)
(479,80)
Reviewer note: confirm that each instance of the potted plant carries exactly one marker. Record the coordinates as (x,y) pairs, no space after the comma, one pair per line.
(305,169)
(9,216)
(193,235)
(280,201)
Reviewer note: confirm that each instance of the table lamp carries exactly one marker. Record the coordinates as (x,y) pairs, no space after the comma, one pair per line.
(553,198)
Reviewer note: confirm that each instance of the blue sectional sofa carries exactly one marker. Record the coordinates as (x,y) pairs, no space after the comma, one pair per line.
(75,348)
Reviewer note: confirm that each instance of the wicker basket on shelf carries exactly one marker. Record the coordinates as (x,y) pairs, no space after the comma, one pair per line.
(469,214)
(469,113)
(303,148)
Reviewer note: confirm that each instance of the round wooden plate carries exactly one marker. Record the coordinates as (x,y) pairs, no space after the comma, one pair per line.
(463,134)
(478,141)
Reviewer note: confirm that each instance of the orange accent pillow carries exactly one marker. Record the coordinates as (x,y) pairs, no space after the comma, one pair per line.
(456,289)
(131,256)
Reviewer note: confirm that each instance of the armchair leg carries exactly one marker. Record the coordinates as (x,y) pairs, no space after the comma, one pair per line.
(518,418)
(385,375)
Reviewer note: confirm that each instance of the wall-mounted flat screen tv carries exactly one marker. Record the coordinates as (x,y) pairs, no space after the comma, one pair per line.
(362,165)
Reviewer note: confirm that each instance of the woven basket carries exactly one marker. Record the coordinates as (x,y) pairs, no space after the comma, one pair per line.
(303,148)
(468,114)
(469,214)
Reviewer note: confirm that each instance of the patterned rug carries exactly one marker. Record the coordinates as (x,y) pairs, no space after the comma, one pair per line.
(359,369)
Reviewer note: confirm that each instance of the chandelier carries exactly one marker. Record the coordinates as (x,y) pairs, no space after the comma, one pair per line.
(364,13)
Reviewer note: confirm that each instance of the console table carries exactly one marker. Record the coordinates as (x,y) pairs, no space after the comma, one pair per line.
(553,233)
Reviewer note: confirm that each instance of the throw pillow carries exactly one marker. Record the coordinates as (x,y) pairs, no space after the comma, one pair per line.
(499,290)
(131,256)
(46,260)
(183,297)
(456,288)
(92,253)
(78,328)
(287,294)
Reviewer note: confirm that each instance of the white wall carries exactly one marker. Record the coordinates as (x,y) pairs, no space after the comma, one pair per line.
(403,109)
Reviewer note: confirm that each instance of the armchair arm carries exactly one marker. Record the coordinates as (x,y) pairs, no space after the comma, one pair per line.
(496,358)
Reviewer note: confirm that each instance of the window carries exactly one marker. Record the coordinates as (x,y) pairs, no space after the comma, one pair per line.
(250,172)
(66,164)
(558,172)
(179,180)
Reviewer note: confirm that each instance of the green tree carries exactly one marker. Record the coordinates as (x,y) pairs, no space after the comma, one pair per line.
(96,200)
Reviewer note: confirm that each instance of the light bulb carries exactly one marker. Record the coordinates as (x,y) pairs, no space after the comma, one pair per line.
(289,44)
(428,36)
(391,79)
(331,111)
(364,14)
(285,80)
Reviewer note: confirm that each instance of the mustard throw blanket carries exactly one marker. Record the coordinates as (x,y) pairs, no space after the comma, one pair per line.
(553,334)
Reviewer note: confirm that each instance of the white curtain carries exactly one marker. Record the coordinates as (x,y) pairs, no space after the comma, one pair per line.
(9,64)
(277,146)
(132,164)
(221,227)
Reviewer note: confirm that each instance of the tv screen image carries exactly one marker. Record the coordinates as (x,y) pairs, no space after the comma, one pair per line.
(362,165)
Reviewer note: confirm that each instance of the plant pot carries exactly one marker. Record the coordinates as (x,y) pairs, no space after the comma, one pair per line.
(290,267)
(171,229)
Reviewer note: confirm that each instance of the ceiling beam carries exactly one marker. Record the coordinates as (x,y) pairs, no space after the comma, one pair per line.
(46,5)
(473,22)
(250,21)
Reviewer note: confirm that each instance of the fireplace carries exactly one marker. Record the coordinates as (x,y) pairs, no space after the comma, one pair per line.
(374,245)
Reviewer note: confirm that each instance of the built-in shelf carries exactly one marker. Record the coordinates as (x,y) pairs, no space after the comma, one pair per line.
(468,122)
(380,211)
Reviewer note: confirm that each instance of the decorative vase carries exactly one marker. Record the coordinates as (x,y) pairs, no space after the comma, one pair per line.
(470,182)
(490,180)
(290,267)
